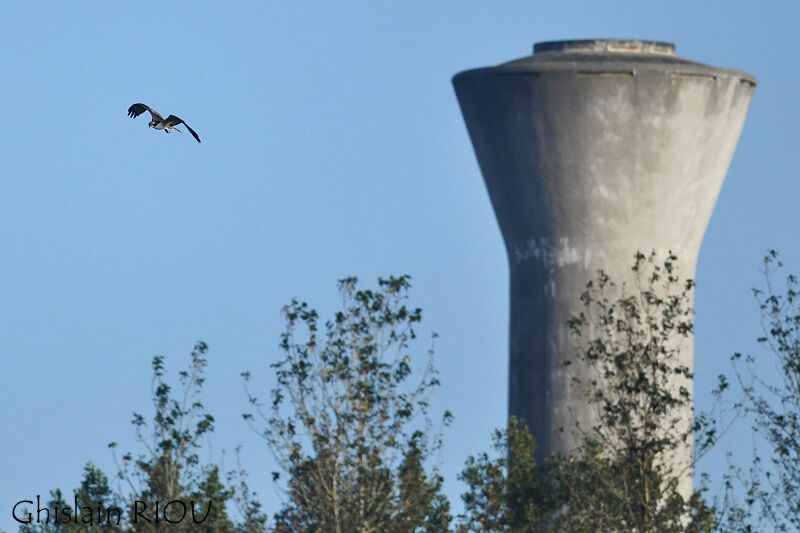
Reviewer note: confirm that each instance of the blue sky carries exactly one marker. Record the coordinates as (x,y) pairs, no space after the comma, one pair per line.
(332,146)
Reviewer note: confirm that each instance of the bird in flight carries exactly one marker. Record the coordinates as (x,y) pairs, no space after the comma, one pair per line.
(158,121)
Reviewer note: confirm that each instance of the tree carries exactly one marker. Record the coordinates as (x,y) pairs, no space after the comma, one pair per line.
(348,421)
(510,492)
(627,473)
(771,488)
(623,477)
(169,470)
(93,497)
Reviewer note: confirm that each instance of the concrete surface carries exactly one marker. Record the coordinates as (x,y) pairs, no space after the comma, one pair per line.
(590,151)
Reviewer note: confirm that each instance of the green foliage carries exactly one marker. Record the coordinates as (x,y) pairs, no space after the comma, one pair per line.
(253,519)
(421,506)
(604,493)
(626,473)
(509,492)
(169,469)
(342,423)
(170,464)
(771,489)
(94,497)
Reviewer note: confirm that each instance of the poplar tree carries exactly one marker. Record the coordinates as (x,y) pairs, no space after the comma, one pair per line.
(623,476)
(766,496)
(167,469)
(348,419)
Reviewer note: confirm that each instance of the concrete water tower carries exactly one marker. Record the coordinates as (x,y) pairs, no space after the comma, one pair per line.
(592,150)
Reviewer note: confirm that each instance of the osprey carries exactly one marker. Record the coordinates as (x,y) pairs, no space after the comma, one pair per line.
(158,121)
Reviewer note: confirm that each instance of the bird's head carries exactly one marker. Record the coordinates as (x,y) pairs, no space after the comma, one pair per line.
(153,123)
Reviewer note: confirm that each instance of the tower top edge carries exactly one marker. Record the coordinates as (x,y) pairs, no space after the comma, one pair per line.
(607,46)
(612,55)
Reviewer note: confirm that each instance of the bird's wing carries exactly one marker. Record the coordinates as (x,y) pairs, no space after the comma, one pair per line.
(173,121)
(137,109)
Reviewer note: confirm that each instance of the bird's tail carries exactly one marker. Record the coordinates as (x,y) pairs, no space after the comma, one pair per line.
(194,134)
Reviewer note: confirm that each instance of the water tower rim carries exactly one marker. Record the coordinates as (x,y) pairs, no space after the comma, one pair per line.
(607,46)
